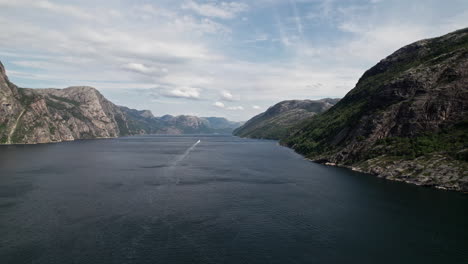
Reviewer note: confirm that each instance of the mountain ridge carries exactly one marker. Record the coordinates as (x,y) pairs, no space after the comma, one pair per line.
(276,121)
(405,120)
(30,116)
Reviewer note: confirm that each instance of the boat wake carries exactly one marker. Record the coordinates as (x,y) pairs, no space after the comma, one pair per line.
(183,156)
(179,159)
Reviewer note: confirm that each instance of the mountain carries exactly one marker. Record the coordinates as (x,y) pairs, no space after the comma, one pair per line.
(145,122)
(280,118)
(405,120)
(222,125)
(29,116)
(207,125)
(53,115)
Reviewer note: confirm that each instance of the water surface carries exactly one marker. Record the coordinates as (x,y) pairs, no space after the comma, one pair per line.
(167,199)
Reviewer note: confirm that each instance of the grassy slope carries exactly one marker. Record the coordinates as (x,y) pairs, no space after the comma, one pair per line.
(276,125)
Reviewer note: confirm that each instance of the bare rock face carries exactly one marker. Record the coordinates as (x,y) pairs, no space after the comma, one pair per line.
(10,106)
(276,122)
(410,108)
(29,116)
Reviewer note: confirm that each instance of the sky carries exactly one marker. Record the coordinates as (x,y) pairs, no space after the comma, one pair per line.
(211,58)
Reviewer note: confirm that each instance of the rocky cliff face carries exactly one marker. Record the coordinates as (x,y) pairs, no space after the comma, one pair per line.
(277,121)
(406,119)
(29,116)
(10,106)
(53,115)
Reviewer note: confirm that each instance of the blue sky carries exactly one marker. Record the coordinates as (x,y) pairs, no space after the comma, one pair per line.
(207,57)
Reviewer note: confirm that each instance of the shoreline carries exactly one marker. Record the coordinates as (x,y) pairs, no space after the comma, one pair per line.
(360,170)
(54,142)
(95,138)
(357,169)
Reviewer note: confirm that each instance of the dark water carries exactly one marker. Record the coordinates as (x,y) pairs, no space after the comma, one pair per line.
(226,200)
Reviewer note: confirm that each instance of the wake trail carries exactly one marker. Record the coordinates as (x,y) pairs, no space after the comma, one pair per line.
(183,156)
(180,158)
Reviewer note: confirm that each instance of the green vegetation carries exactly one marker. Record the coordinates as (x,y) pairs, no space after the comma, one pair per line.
(435,51)
(281,119)
(3,128)
(331,131)
(66,100)
(313,137)
(52,129)
(271,131)
(3,133)
(265,130)
(56,105)
(450,141)
(22,130)
(76,113)
(19,133)
(122,126)
(25,98)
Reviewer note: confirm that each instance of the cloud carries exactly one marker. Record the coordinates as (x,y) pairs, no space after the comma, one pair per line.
(219,104)
(228,96)
(231,108)
(63,9)
(256,107)
(37,64)
(224,10)
(171,92)
(199,51)
(147,11)
(186,92)
(143,69)
(235,108)
(261,37)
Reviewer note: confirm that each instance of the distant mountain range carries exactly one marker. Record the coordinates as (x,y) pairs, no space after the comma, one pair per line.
(405,120)
(145,123)
(29,116)
(276,122)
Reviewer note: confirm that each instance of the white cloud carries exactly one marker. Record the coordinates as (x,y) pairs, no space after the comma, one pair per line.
(224,10)
(231,108)
(63,9)
(153,11)
(185,92)
(260,37)
(207,51)
(219,104)
(143,69)
(50,6)
(235,108)
(228,96)
(37,64)
(256,107)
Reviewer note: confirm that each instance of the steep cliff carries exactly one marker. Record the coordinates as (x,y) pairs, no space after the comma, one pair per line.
(10,106)
(277,121)
(405,120)
(54,115)
(29,116)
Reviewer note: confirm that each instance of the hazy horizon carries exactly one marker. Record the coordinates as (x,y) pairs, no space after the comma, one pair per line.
(229,59)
